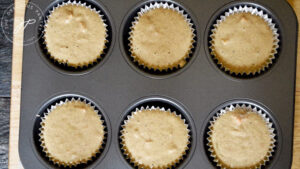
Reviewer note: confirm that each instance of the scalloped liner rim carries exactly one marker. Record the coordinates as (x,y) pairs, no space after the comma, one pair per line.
(164,5)
(252,11)
(253,108)
(41,129)
(75,3)
(128,156)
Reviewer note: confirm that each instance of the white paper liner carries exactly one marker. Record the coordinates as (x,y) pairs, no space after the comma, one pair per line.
(253,11)
(253,109)
(76,3)
(164,5)
(140,164)
(42,142)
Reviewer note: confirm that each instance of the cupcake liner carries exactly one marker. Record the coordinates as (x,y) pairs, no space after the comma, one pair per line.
(165,5)
(42,141)
(252,11)
(64,62)
(253,109)
(135,162)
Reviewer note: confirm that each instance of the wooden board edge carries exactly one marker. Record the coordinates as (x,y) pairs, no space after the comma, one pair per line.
(17,55)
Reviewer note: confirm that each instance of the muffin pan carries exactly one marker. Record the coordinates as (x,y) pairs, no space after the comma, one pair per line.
(116,85)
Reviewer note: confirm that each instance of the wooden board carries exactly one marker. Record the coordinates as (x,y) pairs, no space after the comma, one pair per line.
(14,160)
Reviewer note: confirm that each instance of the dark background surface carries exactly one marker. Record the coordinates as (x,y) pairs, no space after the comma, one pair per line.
(5,78)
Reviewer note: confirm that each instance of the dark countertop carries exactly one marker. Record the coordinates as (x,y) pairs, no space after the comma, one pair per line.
(5,78)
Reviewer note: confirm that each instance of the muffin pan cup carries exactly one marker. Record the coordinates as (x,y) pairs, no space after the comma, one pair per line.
(166,68)
(64,63)
(256,12)
(245,106)
(125,150)
(198,89)
(53,159)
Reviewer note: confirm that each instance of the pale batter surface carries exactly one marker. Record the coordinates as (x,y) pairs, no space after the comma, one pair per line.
(155,138)
(75,35)
(243,43)
(161,39)
(241,138)
(73,132)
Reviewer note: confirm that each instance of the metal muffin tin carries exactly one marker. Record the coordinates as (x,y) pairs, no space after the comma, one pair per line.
(116,85)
